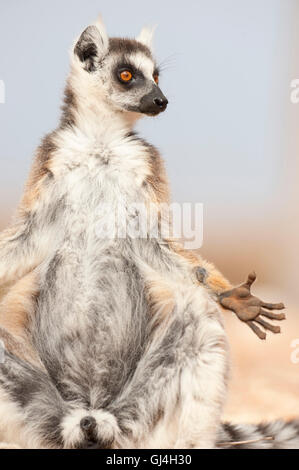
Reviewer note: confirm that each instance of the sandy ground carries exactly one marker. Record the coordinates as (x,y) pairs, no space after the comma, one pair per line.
(264,378)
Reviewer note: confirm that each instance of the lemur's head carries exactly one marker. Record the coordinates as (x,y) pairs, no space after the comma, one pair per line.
(123,71)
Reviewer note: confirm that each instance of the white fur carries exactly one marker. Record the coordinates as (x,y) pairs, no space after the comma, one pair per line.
(93,320)
(146,36)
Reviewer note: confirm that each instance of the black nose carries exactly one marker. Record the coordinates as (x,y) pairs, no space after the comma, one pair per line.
(161,103)
(153,103)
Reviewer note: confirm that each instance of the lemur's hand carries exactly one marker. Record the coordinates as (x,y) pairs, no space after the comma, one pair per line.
(250,309)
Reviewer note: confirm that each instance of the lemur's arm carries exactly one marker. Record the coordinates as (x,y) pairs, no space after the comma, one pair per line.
(212,278)
(26,242)
(247,307)
(23,247)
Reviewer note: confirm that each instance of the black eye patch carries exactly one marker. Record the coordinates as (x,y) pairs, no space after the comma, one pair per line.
(138,78)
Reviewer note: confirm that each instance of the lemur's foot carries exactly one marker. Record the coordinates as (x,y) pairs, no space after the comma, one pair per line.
(250,309)
(94,429)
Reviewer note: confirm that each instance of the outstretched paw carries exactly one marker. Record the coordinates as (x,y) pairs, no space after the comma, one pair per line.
(251,309)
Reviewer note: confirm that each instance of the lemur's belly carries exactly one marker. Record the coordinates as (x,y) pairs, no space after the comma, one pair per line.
(92,321)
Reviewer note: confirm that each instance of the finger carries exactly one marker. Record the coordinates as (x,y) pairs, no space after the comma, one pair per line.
(261,334)
(273,316)
(279,306)
(250,280)
(268,326)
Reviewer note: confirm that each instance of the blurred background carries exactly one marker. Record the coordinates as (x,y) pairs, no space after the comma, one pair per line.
(230,140)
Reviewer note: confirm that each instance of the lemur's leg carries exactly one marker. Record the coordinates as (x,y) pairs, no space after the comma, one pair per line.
(29,404)
(175,396)
(16,309)
(33,413)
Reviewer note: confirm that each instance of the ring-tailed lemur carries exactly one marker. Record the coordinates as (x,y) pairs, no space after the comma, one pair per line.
(110,342)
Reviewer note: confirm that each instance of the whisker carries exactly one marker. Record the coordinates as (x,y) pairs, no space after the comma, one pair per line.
(168,60)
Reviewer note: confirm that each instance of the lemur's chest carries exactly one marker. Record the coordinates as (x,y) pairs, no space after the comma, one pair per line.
(110,172)
(103,184)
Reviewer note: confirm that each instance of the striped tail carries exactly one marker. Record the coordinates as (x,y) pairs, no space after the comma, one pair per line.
(274,435)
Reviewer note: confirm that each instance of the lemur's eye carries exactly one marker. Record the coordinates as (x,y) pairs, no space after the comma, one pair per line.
(126,76)
(156,78)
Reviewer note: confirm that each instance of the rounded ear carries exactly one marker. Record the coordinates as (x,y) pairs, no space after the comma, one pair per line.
(92,45)
(146,36)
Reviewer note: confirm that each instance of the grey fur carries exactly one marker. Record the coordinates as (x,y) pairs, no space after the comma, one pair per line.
(148,375)
(275,435)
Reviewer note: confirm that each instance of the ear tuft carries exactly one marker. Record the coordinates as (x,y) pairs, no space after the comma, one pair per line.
(92,46)
(146,36)
(102,30)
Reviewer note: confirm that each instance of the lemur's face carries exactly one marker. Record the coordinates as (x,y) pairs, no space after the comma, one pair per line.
(123,70)
(131,78)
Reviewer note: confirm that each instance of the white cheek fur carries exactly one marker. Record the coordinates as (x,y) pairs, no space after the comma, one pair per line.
(124,336)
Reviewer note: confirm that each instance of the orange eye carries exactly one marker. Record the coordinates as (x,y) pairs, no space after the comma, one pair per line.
(126,76)
(156,78)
